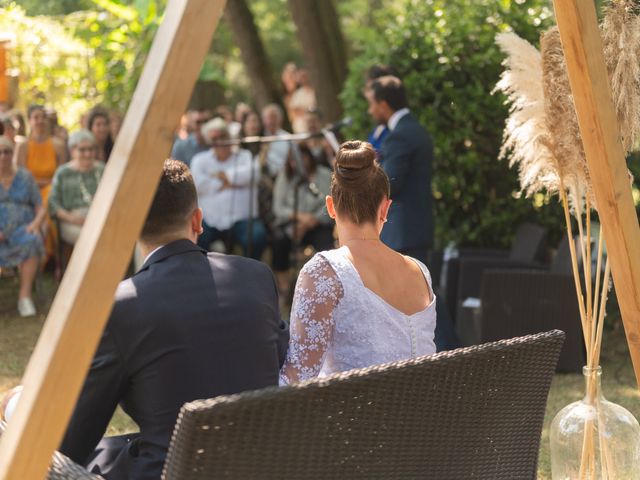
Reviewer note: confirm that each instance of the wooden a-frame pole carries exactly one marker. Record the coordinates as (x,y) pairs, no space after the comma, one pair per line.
(59,364)
(582,45)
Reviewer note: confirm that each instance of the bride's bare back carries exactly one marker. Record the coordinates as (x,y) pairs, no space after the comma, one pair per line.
(397,279)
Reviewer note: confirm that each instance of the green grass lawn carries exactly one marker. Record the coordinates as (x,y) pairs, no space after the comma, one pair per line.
(18,337)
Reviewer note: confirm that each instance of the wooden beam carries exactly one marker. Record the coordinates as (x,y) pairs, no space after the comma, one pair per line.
(59,364)
(582,45)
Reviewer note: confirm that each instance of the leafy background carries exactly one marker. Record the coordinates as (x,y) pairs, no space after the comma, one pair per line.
(85,52)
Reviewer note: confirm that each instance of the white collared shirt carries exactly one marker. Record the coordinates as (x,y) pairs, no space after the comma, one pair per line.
(151,253)
(395,118)
(222,207)
(277,153)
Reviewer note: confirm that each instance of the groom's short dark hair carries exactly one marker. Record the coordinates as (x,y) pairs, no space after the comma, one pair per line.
(174,202)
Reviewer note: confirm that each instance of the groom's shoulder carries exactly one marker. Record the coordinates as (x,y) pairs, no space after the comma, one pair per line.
(237,266)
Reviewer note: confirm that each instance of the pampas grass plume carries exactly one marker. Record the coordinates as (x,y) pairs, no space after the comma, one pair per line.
(526,135)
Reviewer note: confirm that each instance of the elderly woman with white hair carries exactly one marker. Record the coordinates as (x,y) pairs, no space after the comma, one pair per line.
(74,185)
(226,182)
(21,215)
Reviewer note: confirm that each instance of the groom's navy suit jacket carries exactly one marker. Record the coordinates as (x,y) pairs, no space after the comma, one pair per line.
(406,156)
(189,325)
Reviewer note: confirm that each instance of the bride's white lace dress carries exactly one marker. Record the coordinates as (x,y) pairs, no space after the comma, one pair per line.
(338,324)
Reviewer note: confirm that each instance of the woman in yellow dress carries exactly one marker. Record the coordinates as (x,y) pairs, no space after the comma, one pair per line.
(41,154)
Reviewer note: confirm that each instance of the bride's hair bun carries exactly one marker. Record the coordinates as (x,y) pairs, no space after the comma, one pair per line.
(355,164)
(359,184)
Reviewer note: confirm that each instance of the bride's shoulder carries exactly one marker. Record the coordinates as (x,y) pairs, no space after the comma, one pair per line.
(332,257)
(329,263)
(417,266)
(320,261)
(320,274)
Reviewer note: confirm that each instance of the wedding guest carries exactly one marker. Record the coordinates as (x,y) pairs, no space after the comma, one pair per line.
(228,199)
(41,154)
(272,117)
(57,130)
(241,111)
(289,79)
(115,123)
(302,100)
(299,210)
(9,130)
(362,304)
(74,186)
(252,127)
(21,214)
(99,124)
(184,150)
(320,148)
(19,124)
(224,112)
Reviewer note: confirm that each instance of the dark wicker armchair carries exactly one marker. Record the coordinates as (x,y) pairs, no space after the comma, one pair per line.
(469,413)
(463,273)
(518,302)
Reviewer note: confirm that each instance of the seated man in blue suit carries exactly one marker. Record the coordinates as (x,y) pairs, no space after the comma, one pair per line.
(406,156)
(189,325)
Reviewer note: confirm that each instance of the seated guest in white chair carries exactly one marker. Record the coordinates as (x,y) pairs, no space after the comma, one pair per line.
(226,182)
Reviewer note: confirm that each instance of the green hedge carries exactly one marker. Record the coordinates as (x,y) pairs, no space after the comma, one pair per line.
(446,55)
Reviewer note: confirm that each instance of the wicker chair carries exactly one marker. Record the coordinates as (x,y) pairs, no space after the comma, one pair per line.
(463,273)
(520,302)
(470,413)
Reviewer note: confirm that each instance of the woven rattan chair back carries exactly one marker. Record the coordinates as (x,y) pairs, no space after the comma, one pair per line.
(529,244)
(520,302)
(469,413)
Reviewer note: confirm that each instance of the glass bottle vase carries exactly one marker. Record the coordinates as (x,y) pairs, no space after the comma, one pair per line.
(594,438)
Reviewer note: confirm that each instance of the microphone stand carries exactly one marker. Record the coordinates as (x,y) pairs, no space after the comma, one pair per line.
(327,133)
(250,221)
(294,254)
(296,241)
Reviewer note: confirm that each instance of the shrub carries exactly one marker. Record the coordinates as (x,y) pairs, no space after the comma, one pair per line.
(446,55)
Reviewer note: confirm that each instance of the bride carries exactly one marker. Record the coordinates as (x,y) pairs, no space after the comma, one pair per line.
(361,304)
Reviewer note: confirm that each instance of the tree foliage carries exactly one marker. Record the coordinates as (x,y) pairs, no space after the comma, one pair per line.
(84,57)
(50,7)
(446,55)
(119,35)
(50,64)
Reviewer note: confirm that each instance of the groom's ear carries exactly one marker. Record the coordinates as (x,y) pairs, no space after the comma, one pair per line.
(196,221)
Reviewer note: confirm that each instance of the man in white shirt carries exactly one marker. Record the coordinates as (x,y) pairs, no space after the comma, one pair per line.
(226,182)
(278,151)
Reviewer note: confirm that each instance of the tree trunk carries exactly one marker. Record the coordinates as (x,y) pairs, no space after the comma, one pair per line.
(254,56)
(319,32)
(333,34)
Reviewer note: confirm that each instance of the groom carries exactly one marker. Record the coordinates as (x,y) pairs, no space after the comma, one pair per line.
(189,325)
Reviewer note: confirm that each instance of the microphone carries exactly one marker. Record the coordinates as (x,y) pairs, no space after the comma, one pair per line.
(336,126)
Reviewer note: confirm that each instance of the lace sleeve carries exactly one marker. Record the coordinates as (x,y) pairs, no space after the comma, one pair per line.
(318,292)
